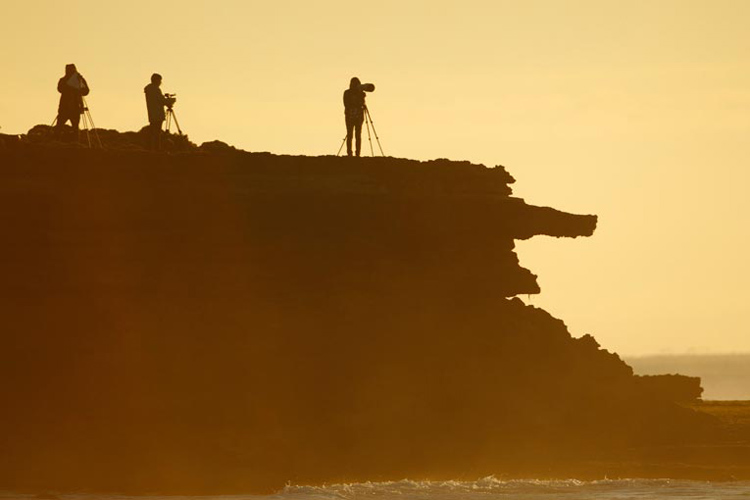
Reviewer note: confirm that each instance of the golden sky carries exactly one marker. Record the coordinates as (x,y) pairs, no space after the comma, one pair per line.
(638,111)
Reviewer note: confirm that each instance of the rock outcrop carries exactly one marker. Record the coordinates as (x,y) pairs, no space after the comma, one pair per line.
(678,388)
(221,321)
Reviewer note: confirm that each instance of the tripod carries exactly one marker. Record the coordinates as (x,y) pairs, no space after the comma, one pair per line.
(88,125)
(368,123)
(172,116)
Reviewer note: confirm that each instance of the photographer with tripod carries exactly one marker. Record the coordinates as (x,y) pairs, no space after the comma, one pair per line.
(354,114)
(156,101)
(72,88)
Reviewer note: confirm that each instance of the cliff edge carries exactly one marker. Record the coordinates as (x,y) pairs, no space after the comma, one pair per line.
(221,321)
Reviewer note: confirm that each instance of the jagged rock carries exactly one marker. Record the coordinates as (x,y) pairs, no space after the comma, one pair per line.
(217,147)
(110,139)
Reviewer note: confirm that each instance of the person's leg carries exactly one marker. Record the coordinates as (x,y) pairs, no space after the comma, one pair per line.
(75,120)
(62,118)
(358,135)
(151,137)
(155,136)
(60,125)
(349,136)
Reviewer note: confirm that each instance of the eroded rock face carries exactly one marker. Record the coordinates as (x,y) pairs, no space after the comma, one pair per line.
(230,322)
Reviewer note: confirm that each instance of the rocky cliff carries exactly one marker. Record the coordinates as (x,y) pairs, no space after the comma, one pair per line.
(221,321)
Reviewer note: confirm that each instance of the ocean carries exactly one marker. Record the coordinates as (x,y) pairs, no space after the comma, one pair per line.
(488,488)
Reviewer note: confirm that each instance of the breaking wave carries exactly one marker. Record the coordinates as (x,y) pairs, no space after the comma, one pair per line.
(488,488)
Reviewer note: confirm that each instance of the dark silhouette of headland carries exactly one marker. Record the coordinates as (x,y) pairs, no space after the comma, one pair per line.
(216,321)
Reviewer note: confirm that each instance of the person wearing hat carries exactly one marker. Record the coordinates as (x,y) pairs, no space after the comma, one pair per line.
(354,114)
(72,88)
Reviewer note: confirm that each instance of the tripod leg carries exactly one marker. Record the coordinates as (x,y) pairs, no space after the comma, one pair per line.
(84,122)
(53,129)
(93,129)
(168,121)
(174,116)
(367,124)
(341,147)
(367,111)
(90,127)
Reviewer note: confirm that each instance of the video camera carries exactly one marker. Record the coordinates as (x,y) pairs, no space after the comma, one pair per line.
(367,87)
(171,99)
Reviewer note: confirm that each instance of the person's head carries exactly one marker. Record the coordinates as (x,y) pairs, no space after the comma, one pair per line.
(156,79)
(70,69)
(354,83)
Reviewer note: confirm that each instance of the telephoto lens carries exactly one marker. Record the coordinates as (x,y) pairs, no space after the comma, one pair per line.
(367,87)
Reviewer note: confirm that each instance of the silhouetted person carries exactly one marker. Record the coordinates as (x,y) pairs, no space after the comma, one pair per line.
(354,112)
(155,103)
(72,88)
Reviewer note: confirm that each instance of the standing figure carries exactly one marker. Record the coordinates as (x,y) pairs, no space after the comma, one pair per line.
(155,103)
(72,88)
(354,112)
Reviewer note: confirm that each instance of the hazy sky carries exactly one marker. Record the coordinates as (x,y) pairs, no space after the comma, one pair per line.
(638,111)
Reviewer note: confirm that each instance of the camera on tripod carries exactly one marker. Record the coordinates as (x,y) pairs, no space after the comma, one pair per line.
(367,87)
(171,99)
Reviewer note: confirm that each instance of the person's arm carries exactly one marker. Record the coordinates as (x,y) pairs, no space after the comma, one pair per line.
(84,86)
(60,85)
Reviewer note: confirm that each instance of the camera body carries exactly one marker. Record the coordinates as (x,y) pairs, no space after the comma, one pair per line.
(367,87)
(171,99)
